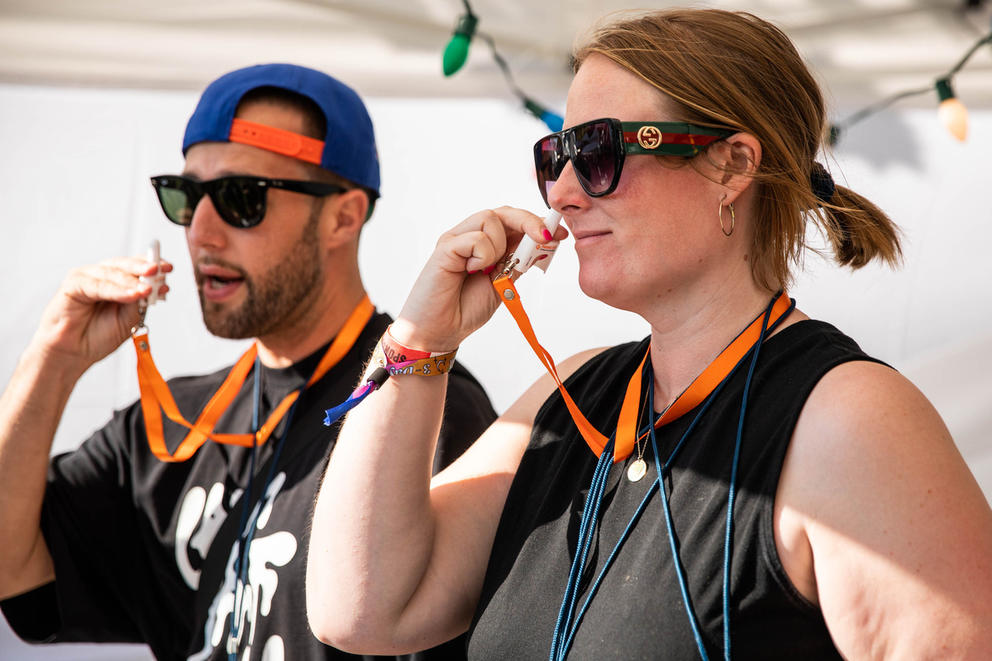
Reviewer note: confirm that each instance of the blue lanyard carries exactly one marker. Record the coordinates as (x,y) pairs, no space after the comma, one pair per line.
(247,528)
(565,627)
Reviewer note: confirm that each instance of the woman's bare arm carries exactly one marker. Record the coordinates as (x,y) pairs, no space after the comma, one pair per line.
(396,563)
(880,521)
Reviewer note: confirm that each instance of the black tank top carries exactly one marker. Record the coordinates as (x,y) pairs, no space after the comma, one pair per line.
(637,611)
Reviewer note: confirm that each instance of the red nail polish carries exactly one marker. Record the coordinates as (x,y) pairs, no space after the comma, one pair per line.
(541,257)
(489,269)
(473,272)
(547,235)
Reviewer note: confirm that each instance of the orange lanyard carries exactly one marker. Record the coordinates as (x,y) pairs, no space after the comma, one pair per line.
(697,391)
(156,397)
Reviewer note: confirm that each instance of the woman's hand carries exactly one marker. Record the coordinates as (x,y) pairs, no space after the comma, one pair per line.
(453,295)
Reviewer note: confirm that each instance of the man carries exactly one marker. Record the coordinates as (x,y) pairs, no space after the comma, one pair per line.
(150,532)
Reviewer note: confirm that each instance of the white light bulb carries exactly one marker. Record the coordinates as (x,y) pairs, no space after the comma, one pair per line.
(954,116)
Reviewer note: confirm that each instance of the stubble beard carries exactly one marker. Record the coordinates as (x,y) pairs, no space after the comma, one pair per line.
(274,299)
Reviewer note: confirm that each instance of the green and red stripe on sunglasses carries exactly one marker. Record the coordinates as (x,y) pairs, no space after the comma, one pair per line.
(597,150)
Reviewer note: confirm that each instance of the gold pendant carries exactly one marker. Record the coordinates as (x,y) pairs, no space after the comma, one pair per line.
(636,470)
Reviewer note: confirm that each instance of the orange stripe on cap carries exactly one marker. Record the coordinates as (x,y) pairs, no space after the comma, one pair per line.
(277,140)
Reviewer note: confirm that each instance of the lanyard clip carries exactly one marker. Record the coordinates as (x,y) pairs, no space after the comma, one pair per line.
(142,311)
(156,281)
(507,272)
(529,252)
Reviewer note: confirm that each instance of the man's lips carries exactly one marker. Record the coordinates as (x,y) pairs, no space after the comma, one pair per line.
(218,282)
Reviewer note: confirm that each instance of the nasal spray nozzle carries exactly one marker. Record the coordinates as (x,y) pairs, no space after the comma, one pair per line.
(529,252)
(157,279)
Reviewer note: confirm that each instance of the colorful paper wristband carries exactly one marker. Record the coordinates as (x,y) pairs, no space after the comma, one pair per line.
(396,352)
(397,359)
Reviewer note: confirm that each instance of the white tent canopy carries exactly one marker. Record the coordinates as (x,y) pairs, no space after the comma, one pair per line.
(862,50)
(94,96)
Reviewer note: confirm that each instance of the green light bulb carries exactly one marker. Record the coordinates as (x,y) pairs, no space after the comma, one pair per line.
(455,53)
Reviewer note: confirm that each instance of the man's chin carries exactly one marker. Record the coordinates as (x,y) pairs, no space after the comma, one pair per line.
(229,333)
(226,323)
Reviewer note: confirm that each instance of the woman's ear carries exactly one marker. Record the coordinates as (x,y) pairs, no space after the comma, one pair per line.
(737,158)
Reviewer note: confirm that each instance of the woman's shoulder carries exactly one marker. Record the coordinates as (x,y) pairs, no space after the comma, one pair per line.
(881,492)
(806,351)
(810,334)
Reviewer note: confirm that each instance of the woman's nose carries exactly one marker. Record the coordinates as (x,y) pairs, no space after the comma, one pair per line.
(566,191)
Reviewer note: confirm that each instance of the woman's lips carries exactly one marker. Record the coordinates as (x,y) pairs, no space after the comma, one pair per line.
(586,237)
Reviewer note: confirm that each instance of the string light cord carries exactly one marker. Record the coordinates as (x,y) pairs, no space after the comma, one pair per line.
(551,119)
(987,39)
(942,85)
(839,127)
(457,51)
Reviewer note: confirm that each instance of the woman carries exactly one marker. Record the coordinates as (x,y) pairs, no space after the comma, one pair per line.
(855,528)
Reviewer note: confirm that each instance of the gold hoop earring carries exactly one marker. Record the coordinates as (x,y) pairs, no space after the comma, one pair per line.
(733,218)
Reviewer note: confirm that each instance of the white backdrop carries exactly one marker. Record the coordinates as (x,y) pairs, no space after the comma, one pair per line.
(74,190)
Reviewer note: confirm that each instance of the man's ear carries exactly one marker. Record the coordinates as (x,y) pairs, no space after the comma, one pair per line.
(737,159)
(343,216)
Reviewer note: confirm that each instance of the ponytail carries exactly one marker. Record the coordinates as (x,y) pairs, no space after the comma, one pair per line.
(858,230)
(733,70)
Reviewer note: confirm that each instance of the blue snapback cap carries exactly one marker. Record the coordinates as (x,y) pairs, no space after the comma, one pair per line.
(349,144)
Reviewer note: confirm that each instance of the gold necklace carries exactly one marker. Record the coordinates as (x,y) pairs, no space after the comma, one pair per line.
(638,468)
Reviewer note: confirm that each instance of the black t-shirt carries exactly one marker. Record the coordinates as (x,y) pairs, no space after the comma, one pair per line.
(144,550)
(637,611)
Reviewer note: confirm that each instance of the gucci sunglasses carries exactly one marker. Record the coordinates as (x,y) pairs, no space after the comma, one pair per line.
(598,148)
(239,200)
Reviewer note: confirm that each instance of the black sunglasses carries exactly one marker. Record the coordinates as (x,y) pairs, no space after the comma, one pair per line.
(239,200)
(597,150)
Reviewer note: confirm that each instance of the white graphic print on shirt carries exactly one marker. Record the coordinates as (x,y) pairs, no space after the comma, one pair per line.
(199,507)
(252,600)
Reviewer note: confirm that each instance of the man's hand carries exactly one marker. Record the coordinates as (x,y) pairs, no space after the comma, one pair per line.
(92,313)
(94,310)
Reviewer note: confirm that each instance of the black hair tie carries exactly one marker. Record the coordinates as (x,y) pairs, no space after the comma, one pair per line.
(822,183)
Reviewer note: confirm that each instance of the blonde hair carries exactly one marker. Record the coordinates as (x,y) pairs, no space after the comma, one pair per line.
(734,70)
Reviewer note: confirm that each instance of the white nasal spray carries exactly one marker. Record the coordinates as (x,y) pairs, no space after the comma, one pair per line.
(158,278)
(529,252)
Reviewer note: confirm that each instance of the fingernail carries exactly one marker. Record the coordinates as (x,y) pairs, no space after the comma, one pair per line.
(473,272)
(547,235)
(541,257)
(489,269)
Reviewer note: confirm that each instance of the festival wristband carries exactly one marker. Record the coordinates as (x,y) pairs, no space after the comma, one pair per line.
(398,359)
(391,358)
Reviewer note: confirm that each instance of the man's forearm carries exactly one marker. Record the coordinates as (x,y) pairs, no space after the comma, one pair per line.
(30,410)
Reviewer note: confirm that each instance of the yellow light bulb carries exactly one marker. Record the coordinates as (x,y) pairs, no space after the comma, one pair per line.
(954,116)
(952,113)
